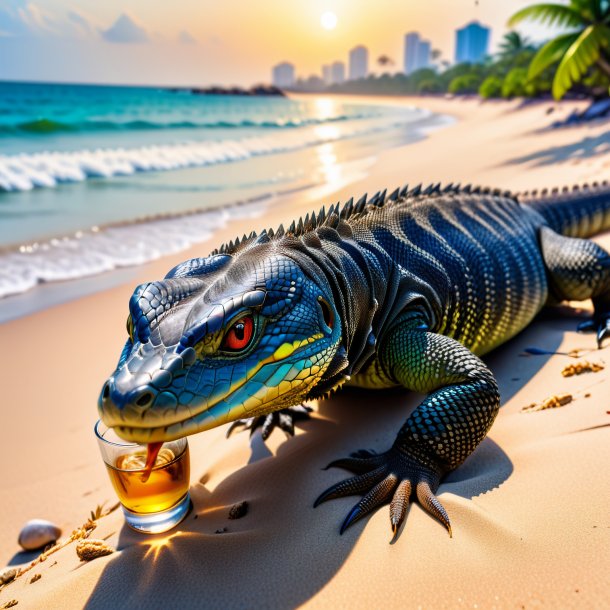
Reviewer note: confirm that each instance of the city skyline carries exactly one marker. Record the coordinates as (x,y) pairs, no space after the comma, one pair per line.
(471,45)
(198,42)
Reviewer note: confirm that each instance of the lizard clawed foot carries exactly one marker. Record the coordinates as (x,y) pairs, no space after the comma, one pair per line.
(390,477)
(600,325)
(283,419)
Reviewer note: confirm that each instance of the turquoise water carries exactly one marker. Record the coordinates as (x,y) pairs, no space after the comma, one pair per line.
(84,168)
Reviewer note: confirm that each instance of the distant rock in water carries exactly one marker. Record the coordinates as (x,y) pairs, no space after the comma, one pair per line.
(262,90)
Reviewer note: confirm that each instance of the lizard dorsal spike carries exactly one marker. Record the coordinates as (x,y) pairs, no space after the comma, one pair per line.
(280,231)
(507,194)
(375,198)
(467,189)
(346,211)
(404,191)
(360,204)
(428,190)
(237,242)
(263,238)
(271,233)
(292,228)
(321,216)
(394,195)
(449,188)
(307,223)
(222,249)
(415,191)
(382,197)
(476,190)
(314,221)
(231,246)
(299,230)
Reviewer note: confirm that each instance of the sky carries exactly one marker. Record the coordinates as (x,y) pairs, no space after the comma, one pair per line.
(202,42)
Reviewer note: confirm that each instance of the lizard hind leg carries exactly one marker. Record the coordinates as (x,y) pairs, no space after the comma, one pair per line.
(578,270)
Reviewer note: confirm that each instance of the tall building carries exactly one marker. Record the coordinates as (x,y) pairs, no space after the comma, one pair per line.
(423,54)
(337,72)
(282,75)
(358,63)
(417,52)
(411,45)
(471,43)
(327,76)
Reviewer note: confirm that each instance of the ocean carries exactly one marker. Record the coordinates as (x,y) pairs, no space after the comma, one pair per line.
(98,178)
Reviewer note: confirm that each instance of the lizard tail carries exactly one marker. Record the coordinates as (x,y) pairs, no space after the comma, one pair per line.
(580,211)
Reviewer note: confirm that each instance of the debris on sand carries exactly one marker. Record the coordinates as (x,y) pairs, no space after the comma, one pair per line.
(582,367)
(238,510)
(91,548)
(553,402)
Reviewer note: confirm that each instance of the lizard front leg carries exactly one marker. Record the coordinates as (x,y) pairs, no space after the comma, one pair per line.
(461,405)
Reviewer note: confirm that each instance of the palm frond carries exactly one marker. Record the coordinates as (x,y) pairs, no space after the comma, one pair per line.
(579,57)
(550,53)
(552,14)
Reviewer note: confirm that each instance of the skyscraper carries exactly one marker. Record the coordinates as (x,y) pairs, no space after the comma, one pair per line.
(471,43)
(410,59)
(358,62)
(423,54)
(337,72)
(327,76)
(282,75)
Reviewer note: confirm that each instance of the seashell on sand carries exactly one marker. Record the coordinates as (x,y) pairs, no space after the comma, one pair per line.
(7,575)
(37,533)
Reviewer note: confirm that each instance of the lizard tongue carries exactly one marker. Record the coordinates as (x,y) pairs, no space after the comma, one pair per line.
(152,450)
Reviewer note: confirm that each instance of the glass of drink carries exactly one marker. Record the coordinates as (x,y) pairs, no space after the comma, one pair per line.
(153,500)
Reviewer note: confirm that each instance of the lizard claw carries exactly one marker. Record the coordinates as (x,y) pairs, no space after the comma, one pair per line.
(600,325)
(391,477)
(283,419)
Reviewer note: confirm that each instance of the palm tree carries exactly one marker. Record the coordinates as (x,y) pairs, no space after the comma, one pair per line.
(585,46)
(513,44)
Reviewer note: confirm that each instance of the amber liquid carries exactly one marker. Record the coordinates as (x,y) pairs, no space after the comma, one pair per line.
(166,484)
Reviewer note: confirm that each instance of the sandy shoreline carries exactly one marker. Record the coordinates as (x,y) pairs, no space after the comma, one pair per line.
(529,508)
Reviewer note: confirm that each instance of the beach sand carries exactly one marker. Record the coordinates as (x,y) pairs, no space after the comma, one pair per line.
(529,508)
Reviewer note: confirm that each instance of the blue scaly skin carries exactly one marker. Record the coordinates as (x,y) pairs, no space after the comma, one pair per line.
(407,290)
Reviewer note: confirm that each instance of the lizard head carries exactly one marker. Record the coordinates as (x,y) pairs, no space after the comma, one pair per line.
(219,339)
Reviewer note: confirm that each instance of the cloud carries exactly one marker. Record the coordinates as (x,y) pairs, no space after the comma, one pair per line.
(80,22)
(125,30)
(185,37)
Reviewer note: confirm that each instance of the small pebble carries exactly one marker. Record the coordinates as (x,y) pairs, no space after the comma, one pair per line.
(238,510)
(90,548)
(222,530)
(35,578)
(7,575)
(38,533)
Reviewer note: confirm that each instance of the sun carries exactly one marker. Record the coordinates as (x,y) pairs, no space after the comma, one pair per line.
(328,20)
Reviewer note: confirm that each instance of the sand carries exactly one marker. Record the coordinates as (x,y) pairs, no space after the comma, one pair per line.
(529,508)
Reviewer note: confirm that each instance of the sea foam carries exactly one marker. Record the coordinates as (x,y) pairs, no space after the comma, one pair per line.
(23,172)
(97,250)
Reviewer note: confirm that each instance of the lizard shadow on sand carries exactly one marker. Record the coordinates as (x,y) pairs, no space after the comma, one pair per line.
(589,146)
(283,552)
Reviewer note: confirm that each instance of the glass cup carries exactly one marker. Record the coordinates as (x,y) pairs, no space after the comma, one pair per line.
(155,503)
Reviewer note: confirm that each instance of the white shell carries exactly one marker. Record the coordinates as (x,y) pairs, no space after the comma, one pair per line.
(38,533)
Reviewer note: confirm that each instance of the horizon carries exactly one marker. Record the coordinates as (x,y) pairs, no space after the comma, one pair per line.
(200,44)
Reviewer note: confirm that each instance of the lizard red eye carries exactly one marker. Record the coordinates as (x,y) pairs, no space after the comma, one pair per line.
(239,335)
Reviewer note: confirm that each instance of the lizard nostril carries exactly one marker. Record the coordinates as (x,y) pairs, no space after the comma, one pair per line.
(106,391)
(145,399)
